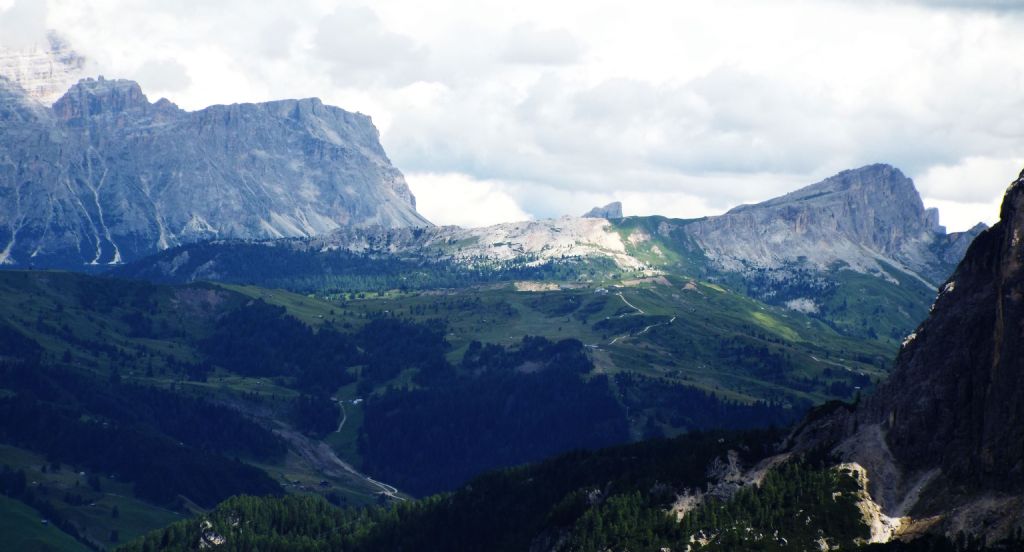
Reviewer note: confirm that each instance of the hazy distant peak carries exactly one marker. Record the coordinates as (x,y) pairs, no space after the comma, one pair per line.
(611,211)
(43,71)
(880,178)
(860,214)
(91,97)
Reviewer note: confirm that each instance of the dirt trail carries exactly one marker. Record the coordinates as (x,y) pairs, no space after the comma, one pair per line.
(322,457)
(344,418)
(638,312)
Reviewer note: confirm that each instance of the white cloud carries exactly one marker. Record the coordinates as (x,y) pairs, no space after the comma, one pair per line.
(970,191)
(997,5)
(457,199)
(23,24)
(972,180)
(162,76)
(359,50)
(958,216)
(559,106)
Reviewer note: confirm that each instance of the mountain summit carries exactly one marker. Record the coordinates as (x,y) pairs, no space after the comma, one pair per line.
(862,219)
(106,176)
(611,211)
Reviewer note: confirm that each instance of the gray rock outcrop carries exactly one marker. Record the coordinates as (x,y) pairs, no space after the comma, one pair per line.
(106,176)
(857,219)
(611,211)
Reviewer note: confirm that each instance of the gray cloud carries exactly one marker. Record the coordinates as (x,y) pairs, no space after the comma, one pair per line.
(994,5)
(656,106)
(358,49)
(24,24)
(163,75)
(528,45)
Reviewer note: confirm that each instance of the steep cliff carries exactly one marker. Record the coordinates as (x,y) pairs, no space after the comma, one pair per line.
(943,438)
(105,176)
(857,219)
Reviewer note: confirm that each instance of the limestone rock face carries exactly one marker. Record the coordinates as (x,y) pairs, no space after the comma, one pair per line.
(611,211)
(106,176)
(853,220)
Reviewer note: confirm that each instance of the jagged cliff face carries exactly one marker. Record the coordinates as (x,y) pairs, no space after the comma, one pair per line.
(106,176)
(943,438)
(852,220)
(956,398)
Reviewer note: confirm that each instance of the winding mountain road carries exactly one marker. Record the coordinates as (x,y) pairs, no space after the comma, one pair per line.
(638,312)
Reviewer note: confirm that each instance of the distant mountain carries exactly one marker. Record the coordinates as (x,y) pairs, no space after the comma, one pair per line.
(105,176)
(932,461)
(611,211)
(857,219)
(868,221)
(942,440)
(858,250)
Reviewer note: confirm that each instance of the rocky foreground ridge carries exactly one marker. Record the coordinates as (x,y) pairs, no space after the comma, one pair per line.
(105,176)
(942,441)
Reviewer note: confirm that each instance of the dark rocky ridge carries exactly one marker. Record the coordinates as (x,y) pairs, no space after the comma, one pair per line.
(105,176)
(943,438)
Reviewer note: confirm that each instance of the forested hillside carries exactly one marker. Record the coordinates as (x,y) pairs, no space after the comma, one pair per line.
(623,498)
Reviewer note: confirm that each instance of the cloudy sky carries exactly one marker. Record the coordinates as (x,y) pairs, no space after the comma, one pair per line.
(500,110)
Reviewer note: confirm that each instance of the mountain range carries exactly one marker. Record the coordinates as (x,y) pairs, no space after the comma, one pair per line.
(932,461)
(858,250)
(104,176)
(869,221)
(278,319)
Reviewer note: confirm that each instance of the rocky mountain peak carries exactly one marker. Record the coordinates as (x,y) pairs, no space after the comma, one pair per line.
(853,218)
(611,211)
(876,186)
(92,97)
(131,177)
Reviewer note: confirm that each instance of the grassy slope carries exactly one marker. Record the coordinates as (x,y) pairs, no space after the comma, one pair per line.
(883,309)
(702,316)
(683,350)
(21,529)
(48,307)
(94,517)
